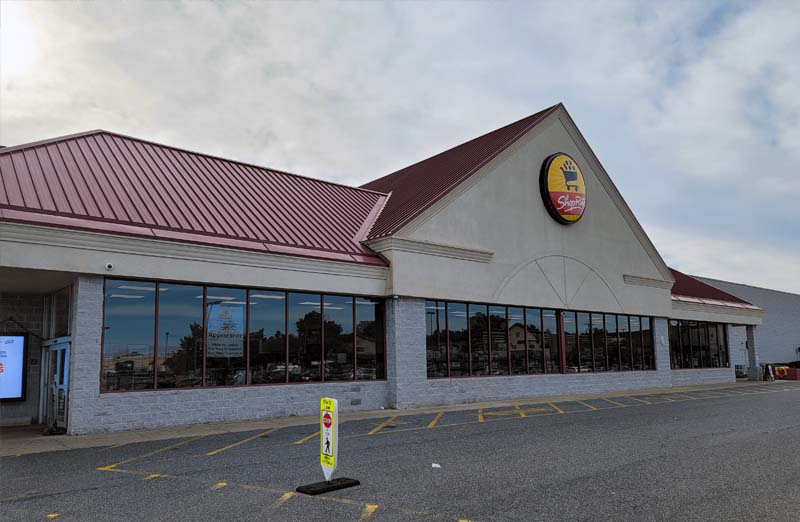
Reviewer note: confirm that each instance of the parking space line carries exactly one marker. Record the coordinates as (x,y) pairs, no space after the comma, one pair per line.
(307,438)
(634,398)
(52,515)
(520,410)
(152,476)
(556,408)
(615,402)
(684,396)
(587,405)
(369,509)
(243,441)
(435,420)
(379,427)
(219,485)
(286,496)
(480,415)
(150,454)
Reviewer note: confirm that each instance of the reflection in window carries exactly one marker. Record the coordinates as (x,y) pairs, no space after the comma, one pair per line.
(686,346)
(623,334)
(61,312)
(585,342)
(370,340)
(694,339)
(479,339)
(703,341)
(180,335)
(676,356)
(267,336)
(305,337)
(436,338)
(516,340)
(636,343)
(552,350)
(713,346)
(226,315)
(459,339)
(571,342)
(130,312)
(612,343)
(533,317)
(723,345)
(498,332)
(697,344)
(647,345)
(339,355)
(599,340)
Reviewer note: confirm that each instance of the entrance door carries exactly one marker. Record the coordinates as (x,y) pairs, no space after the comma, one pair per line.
(59,384)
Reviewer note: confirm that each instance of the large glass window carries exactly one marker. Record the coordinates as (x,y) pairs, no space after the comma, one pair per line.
(498,328)
(647,345)
(516,340)
(636,343)
(551,345)
(370,340)
(226,316)
(459,339)
(305,337)
(571,342)
(612,343)
(267,337)
(623,334)
(129,330)
(436,338)
(180,335)
(599,342)
(479,339)
(585,342)
(339,341)
(697,344)
(533,317)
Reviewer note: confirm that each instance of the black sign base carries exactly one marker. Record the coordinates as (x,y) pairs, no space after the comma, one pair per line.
(325,486)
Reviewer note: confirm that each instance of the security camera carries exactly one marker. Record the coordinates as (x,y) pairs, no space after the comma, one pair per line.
(109,266)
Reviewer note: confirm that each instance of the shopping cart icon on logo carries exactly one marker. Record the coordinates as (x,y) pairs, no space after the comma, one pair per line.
(570,176)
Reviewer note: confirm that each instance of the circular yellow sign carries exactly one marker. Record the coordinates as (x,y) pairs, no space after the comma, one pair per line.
(563,188)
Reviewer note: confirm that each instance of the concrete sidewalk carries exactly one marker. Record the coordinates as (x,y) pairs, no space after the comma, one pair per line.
(28,439)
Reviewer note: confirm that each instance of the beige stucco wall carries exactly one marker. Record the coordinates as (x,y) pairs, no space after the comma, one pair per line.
(536,261)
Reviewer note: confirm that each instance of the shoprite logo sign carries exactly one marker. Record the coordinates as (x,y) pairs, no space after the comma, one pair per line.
(563,188)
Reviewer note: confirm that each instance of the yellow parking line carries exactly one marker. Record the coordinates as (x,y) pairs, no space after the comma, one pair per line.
(306,438)
(520,411)
(151,476)
(615,402)
(286,496)
(369,509)
(110,467)
(219,485)
(640,400)
(248,439)
(432,423)
(558,410)
(587,405)
(52,515)
(480,415)
(382,425)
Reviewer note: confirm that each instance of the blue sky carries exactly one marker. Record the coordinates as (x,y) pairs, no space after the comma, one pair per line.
(692,107)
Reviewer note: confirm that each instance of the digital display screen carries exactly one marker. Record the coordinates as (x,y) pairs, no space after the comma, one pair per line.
(12,366)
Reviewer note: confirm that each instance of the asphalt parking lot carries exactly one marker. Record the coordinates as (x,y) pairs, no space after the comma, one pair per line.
(728,454)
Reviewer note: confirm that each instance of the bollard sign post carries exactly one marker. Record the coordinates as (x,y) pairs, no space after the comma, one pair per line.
(328,450)
(328,435)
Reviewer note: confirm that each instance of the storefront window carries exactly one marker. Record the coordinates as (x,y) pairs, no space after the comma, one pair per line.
(459,339)
(612,343)
(599,340)
(436,338)
(128,333)
(370,339)
(585,342)
(694,340)
(180,335)
(479,339)
(267,337)
(339,341)
(647,345)
(686,346)
(226,316)
(571,342)
(723,345)
(533,317)
(305,337)
(552,348)
(707,345)
(623,333)
(498,326)
(636,343)
(516,340)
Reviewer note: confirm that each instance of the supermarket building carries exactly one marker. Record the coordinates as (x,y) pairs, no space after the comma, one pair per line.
(153,286)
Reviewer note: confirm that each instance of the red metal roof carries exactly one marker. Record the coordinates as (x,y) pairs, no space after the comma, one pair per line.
(688,286)
(108,182)
(413,189)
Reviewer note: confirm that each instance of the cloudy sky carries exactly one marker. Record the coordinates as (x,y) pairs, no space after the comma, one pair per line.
(692,107)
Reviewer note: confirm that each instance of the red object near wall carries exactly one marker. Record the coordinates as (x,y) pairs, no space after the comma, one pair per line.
(793,374)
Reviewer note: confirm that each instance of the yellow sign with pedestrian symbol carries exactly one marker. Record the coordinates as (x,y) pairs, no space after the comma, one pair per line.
(328,435)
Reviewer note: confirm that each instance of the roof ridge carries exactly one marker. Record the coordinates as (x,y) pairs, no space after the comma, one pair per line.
(16,148)
(703,278)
